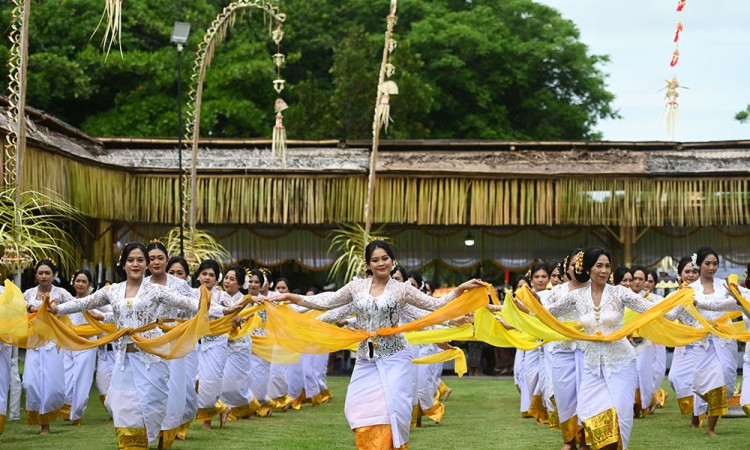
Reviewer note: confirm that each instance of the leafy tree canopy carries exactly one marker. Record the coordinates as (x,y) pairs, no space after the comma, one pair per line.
(479,69)
(743,115)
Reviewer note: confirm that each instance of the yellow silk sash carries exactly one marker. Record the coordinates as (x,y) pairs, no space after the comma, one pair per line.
(454,353)
(14,323)
(664,332)
(462,333)
(721,327)
(529,324)
(488,329)
(265,348)
(733,281)
(176,343)
(684,297)
(304,334)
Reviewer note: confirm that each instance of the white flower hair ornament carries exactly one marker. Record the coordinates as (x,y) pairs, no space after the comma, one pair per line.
(694,257)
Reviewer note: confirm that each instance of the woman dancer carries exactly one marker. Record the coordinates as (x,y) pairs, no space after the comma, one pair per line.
(681,371)
(534,368)
(177,404)
(79,365)
(5,356)
(660,351)
(179,268)
(745,396)
(44,370)
(608,382)
(715,359)
(236,392)
(519,375)
(213,350)
(565,361)
(138,394)
(645,401)
(378,400)
(426,377)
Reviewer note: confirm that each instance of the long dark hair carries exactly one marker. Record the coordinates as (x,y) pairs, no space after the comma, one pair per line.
(590,257)
(48,263)
(418,278)
(371,248)
(209,264)
(571,256)
(124,257)
(619,274)
(681,265)
(179,260)
(702,253)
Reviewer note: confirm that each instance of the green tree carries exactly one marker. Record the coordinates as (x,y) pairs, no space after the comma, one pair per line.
(743,115)
(466,69)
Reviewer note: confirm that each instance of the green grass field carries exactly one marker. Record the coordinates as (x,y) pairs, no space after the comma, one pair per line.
(482,413)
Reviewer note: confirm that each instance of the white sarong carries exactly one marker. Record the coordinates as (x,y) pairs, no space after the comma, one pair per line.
(380,392)
(138,395)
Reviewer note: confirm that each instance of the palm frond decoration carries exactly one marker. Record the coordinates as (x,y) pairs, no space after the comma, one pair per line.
(351,241)
(33,227)
(198,245)
(112,20)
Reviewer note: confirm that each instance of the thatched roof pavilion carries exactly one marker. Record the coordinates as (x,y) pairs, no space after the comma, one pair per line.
(519,200)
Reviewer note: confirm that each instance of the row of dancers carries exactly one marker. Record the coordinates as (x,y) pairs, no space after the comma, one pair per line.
(591,386)
(148,397)
(583,388)
(222,379)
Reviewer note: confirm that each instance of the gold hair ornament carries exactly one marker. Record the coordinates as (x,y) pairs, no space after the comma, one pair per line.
(579,263)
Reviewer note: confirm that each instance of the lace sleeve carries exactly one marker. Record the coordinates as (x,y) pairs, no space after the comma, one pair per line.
(632,300)
(176,300)
(563,304)
(93,301)
(337,314)
(328,300)
(415,297)
(64,297)
(719,304)
(412,313)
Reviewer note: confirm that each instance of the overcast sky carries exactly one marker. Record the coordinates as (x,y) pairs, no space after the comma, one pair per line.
(638,34)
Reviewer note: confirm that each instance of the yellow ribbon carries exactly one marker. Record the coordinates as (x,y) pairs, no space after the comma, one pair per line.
(529,324)
(461,333)
(454,353)
(13,321)
(733,281)
(684,297)
(488,329)
(304,334)
(175,343)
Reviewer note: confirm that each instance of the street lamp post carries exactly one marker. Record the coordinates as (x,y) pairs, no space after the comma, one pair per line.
(180,34)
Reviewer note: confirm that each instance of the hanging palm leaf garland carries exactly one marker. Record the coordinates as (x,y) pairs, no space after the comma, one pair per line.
(200,244)
(351,241)
(32,227)
(278,142)
(671,96)
(382,116)
(112,20)
(198,247)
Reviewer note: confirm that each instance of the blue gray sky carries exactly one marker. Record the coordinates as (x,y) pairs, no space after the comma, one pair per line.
(637,35)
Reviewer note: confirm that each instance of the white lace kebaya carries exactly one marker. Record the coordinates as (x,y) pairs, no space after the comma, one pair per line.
(135,312)
(712,306)
(219,299)
(558,292)
(604,357)
(385,310)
